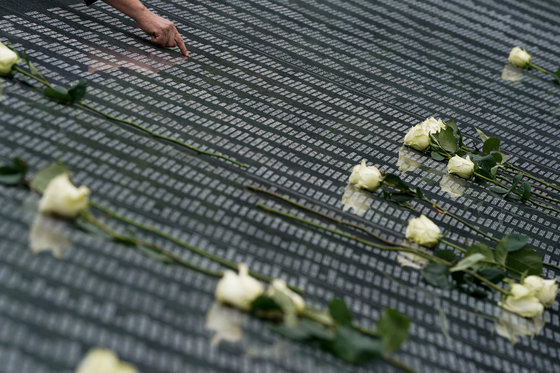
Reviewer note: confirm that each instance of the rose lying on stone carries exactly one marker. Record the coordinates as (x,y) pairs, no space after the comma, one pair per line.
(8,58)
(423,231)
(101,360)
(417,138)
(431,125)
(238,290)
(365,177)
(545,290)
(462,167)
(519,57)
(522,301)
(62,198)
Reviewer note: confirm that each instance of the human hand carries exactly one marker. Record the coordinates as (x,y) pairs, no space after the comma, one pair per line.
(162,31)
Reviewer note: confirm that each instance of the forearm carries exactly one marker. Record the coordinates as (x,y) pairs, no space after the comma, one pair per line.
(132,8)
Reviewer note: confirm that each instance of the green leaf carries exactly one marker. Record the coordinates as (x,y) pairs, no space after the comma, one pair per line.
(78,91)
(494,275)
(516,179)
(340,312)
(263,302)
(558,72)
(497,157)
(516,241)
(493,143)
(153,254)
(437,157)
(447,140)
(499,190)
(480,248)
(14,173)
(304,330)
(453,125)
(448,255)
(437,275)
(525,190)
(395,182)
(32,68)
(483,137)
(393,329)
(501,251)
(351,346)
(400,198)
(43,177)
(468,262)
(58,93)
(525,259)
(484,163)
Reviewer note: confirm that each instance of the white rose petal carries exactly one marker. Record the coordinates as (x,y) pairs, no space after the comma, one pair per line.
(423,231)
(238,290)
(62,198)
(461,167)
(522,301)
(7,59)
(431,125)
(417,138)
(100,360)
(547,295)
(280,285)
(365,177)
(533,283)
(519,57)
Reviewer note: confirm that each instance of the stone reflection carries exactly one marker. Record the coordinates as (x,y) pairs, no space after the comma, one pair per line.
(226,322)
(102,360)
(357,199)
(511,326)
(275,351)
(132,58)
(453,185)
(49,233)
(512,73)
(407,160)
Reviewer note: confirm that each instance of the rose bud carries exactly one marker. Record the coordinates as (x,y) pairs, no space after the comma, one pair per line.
(238,290)
(423,231)
(365,177)
(417,138)
(519,57)
(7,59)
(62,198)
(462,167)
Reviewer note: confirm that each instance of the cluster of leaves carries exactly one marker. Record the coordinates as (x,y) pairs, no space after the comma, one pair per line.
(334,331)
(511,257)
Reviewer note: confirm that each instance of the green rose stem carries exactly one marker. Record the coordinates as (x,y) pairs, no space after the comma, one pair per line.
(533,66)
(180,242)
(510,168)
(532,192)
(121,238)
(353,237)
(135,125)
(338,221)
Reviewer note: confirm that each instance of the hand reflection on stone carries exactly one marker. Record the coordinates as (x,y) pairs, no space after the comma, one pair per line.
(226,322)
(49,233)
(453,185)
(407,161)
(357,199)
(511,326)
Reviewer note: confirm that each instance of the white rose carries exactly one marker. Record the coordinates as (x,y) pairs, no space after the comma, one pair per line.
(100,360)
(519,57)
(431,125)
(280,285)
(62,198)
(365,177)
(7,59)
(461,167)
(417,138)
(238,290)
(522,301)
(533,283)
(423,231)
(547,295)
